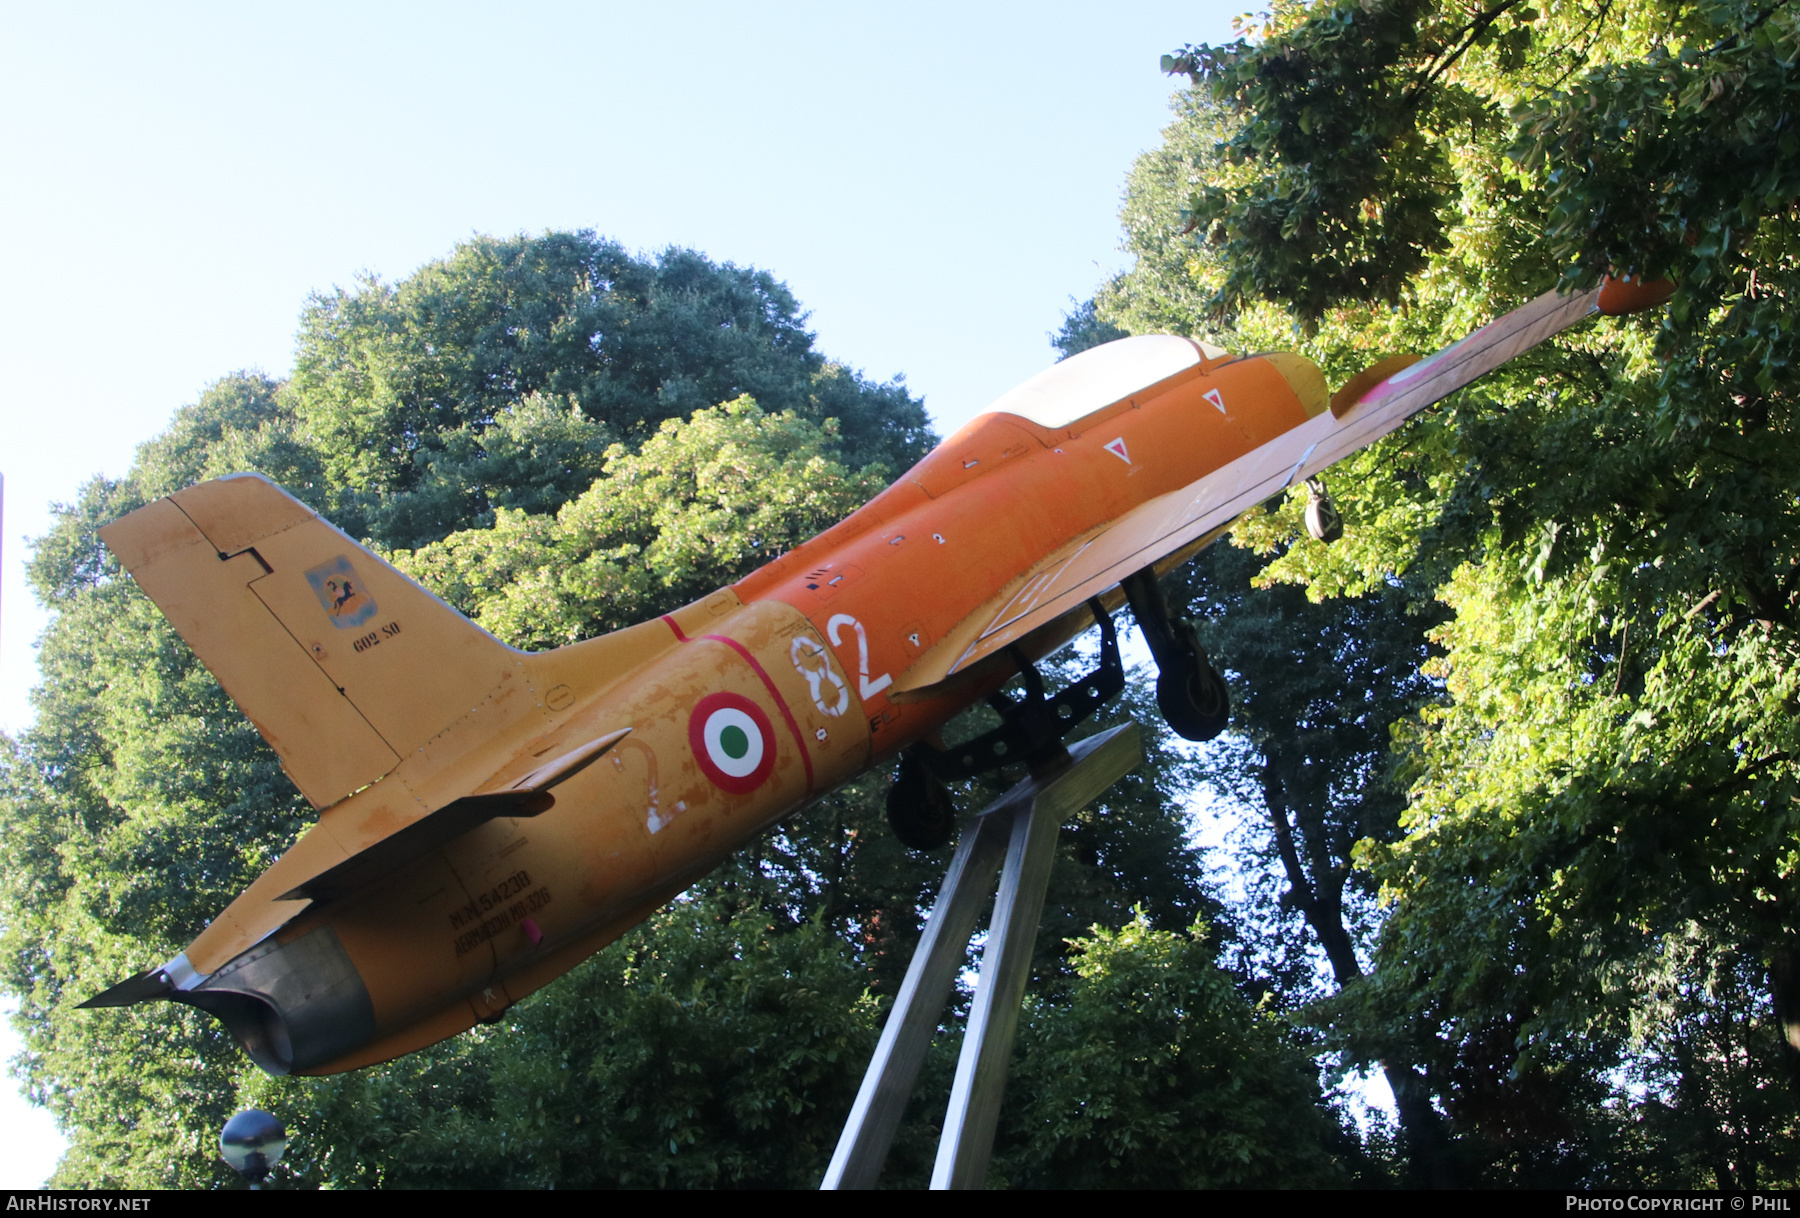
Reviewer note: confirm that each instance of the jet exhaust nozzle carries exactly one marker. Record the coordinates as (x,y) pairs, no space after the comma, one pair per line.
(290,1006)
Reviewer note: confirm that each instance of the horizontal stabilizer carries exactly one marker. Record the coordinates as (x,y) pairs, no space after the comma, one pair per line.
(145,987)
(529,796)
(563,768)
(417,840)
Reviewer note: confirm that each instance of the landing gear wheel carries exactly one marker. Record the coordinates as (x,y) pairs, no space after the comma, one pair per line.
(919,807)
(1193,696)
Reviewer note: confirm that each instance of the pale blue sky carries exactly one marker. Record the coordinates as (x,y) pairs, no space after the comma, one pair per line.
(934,182)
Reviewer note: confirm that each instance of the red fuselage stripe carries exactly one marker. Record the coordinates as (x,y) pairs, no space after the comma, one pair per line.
(780,703)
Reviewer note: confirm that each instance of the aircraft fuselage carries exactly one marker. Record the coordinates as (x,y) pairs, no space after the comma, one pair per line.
(741,708)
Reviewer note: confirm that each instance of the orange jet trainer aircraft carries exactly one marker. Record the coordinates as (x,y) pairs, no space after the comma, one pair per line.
(490,818)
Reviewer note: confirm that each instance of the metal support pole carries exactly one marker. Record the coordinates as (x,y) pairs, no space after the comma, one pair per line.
(888,1083)
(1022,825)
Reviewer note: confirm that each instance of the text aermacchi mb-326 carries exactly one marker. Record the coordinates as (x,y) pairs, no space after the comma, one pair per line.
(489,818)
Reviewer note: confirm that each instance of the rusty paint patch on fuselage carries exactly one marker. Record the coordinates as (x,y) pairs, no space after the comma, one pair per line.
(618,830)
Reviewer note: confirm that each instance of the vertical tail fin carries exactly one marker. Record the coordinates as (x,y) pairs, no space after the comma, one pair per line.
(343,664)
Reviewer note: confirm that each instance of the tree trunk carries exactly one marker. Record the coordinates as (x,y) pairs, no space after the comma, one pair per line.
(1421,1125)
(1784,988)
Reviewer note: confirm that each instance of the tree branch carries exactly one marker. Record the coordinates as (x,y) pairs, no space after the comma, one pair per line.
(1276,801)
(1327,924)
(1475,29)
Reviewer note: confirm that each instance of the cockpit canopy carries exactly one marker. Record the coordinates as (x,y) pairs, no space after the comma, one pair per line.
(1096,378)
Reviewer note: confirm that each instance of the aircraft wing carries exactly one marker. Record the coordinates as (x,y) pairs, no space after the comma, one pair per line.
(1188,519)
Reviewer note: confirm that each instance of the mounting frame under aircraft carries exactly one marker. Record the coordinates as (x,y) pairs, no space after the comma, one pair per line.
(489,818)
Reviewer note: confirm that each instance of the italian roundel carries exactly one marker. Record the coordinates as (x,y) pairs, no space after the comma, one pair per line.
(733,742)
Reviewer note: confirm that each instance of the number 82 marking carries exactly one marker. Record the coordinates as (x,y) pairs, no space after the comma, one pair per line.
(869,688)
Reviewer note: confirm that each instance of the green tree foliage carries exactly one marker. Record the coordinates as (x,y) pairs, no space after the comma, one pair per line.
(702,503)
(1342,189)
(1082,329)
(1169,288)
(243,422)
(399,384)
(1157,1074)
(1597,874)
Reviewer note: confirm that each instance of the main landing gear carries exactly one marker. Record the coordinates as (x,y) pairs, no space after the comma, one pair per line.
(1189,691)
(1030,732)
